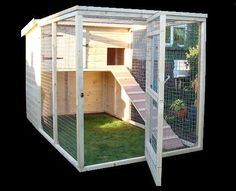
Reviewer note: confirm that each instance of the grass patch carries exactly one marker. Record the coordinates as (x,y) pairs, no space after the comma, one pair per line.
(109,139)
(106,138)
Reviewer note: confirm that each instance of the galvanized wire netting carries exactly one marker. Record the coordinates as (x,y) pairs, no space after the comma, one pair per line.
(66,86)
(181,90)
(46,80)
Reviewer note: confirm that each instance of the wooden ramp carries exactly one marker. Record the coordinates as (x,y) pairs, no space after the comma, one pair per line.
(137,97)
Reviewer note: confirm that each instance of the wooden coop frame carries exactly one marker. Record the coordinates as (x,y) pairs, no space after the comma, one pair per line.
(116,18)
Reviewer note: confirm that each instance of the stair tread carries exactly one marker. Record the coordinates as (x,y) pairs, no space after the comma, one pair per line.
(132,88)
(138,97)
(140,104)
(172,144)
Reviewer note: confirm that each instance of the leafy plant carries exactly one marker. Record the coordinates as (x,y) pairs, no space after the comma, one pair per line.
(177,105)
(192,52)
(192,57)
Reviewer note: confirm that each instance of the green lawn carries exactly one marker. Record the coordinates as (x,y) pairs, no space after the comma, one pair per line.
(106,138)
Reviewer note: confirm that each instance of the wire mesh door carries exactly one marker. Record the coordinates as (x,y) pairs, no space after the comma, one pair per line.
(155,94)
(62,82)
(182,89)
(66,85)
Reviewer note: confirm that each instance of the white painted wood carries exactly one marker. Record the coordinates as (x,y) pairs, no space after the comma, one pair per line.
(115,96)
(46,21)
(136,124)
(185,18)
(181,151)
(156,32)
(115,25)
(114,163)
(201,78)
(154,17)
(59,14)
(29,27)
(58,148)
(155,159)
(33,76)
(106,12)
(79,90)
(161,80)
(152,93)
(54,81)
(183,14)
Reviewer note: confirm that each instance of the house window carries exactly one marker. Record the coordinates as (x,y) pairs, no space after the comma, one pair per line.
(176,35)
(115,56)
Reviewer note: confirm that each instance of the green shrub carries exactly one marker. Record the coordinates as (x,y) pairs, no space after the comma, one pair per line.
(177,105)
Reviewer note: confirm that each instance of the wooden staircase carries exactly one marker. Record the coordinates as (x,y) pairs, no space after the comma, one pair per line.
(137,97)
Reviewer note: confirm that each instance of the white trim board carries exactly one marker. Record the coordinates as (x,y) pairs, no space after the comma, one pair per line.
(107,12)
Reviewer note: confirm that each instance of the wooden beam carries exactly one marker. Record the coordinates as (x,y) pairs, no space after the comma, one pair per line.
(153,17)
(115,96)
(54,81)
(104,90)
(185,18)
(47,21)
(59,14)
(114,163)
(201,79)
(79,90)
(181,151)
(59,148)
(29,27)
(156,32)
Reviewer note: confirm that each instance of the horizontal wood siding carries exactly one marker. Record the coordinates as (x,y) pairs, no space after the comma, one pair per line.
(99,39)
(33,100)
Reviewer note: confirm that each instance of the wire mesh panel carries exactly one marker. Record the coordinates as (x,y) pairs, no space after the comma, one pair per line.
(66,86)
(46,80)
(181,90)
(154,67)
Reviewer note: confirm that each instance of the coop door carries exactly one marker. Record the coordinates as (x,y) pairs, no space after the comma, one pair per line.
(155,65)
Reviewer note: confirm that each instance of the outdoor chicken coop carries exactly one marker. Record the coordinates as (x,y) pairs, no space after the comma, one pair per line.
(112,86)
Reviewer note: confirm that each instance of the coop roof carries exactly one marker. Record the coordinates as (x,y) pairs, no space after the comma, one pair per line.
(107,14)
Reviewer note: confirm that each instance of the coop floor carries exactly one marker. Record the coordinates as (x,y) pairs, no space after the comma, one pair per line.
(105,138)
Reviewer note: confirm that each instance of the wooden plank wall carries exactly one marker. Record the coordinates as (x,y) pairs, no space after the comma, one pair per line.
(96,40)
(117,102)
(93,92)
(66,97)
(102,93)
(109,96)
(99,39)
(33,83)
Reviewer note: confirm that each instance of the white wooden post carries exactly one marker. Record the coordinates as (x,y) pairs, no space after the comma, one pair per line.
(79,90)
(201,78)
(54,81)
(161,76)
